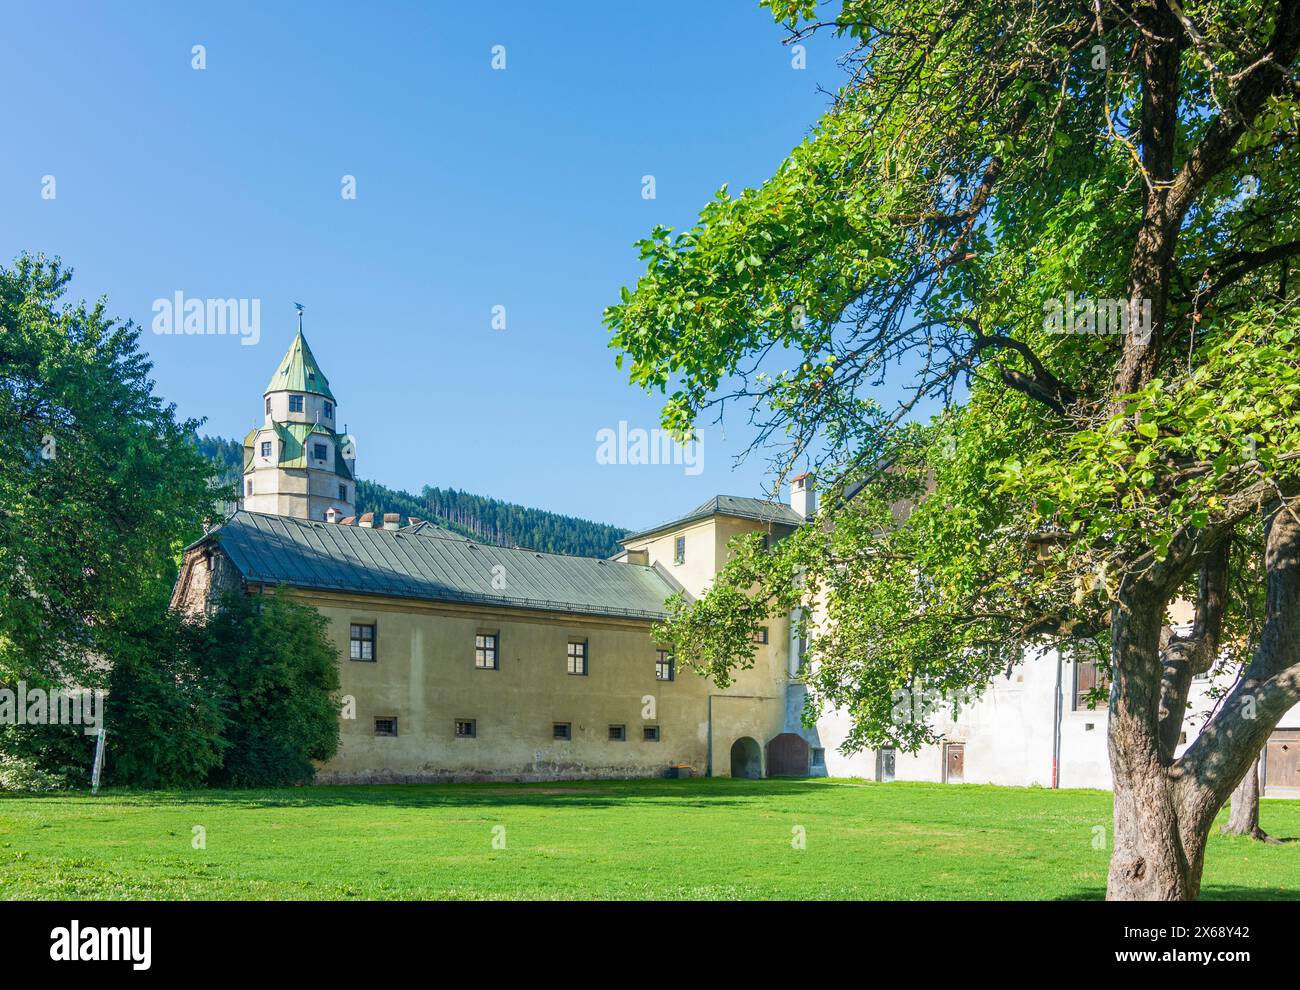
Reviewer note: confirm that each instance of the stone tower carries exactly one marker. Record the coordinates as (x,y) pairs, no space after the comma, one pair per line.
(297,463)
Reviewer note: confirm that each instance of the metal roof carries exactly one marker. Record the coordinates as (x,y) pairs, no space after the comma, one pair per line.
(739,506)
(299,372)
(428,563)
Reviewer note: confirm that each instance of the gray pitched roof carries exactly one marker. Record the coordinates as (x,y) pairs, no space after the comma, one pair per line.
(760,510)
(426,562)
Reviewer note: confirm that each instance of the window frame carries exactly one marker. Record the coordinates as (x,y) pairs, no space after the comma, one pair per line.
(651,733)
(354,639)
(570,656)
(473,728)
(618,733)
(265,448)
(663,657)
(320,451)
(679,549)
(300,400)
(567,735)
(329,409)
(1100,679)
(481,650)
(386,718)
(762,636)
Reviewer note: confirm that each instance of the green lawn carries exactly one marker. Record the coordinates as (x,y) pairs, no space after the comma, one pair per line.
(708,839)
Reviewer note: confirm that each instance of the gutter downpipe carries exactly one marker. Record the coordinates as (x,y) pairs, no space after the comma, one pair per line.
(1056,726)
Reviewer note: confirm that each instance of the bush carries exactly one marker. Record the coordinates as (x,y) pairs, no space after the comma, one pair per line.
(280,674)
(164,711)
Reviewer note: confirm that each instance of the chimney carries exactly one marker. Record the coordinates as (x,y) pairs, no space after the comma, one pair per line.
(347,520)
(803,495)
(413,520)
(367,520)
(641,556)
(392,520)
(332,515)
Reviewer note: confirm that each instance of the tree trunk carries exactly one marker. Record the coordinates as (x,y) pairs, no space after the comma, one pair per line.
(1150,859)
(1244,818)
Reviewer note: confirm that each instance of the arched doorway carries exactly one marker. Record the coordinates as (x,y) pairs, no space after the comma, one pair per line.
(746,759)
(787,756)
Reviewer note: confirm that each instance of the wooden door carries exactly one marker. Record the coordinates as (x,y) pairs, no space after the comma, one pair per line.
(1282,759)
(787,756)
(954,762)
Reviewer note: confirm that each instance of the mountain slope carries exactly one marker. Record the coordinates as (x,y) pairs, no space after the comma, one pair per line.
(477,516)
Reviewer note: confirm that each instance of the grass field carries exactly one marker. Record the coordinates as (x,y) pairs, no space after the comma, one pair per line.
(697,839)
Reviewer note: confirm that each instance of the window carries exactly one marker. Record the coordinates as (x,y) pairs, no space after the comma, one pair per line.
(485,651)
(466,728)
(617,733)
(818,757)
(663,665)
(362,645)
(578,658)
(1089,679)
(760,635)
(561,730)
(268,405)
(266,448)
(318,450)
(650,733)
(249,486)
(385,726)
(343,493)
(679,550)
(329,410)
(295,403)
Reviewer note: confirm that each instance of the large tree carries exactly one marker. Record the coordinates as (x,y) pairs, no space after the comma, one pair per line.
(993,181)
(100,483)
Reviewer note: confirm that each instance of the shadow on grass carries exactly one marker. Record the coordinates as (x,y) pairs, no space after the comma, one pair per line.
(1209,892)
(698,792)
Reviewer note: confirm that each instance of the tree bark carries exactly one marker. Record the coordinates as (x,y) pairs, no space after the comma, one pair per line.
(1244,818)
(1148,858)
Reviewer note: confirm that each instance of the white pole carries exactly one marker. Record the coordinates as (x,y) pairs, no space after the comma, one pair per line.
(99,761)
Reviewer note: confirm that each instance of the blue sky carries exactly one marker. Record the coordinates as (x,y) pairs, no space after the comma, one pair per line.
(475,188)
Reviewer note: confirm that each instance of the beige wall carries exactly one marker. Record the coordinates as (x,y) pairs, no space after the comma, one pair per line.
(425,677)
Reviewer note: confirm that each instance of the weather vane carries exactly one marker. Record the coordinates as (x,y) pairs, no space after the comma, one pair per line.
(298,307)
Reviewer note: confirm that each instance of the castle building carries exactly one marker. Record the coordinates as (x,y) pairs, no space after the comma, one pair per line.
(297,463)
(462,660)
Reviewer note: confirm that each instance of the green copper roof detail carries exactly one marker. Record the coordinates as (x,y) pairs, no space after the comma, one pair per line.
(299,372)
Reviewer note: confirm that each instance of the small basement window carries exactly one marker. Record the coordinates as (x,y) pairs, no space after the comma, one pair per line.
(385,726)
(561,730)
(650,733)
(617,733)
(466,728)
(818,757)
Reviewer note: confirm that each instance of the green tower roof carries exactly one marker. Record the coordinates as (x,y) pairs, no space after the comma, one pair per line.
(299,372)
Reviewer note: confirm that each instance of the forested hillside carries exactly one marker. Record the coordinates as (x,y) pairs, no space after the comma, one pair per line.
(476,516)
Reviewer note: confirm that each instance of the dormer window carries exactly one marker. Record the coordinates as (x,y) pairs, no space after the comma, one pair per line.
(266,448)
(319,451)
(295,403)
(329,410)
